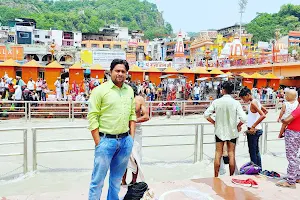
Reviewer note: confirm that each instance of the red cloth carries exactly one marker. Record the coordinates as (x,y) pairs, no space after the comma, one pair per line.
(295,124)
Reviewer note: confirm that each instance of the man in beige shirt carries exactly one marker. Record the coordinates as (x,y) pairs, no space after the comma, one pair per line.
(227,126)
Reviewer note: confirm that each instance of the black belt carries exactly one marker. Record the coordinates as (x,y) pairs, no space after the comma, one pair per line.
(114,136)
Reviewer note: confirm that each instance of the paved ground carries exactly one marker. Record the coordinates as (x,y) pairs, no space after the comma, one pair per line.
(68,174)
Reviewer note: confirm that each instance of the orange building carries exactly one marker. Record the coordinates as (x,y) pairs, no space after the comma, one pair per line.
(76,73)
(154,75)
(201,72)
(9,67)
(97,71)
(52,71)
(31,70)
(189,74)
(137,74)
(287,73)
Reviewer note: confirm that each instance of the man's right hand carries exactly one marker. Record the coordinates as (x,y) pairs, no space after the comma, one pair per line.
(96,136)
(97,142)
(239,128)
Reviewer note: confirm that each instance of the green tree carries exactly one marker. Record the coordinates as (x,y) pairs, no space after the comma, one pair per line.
(263,27)
(87,15)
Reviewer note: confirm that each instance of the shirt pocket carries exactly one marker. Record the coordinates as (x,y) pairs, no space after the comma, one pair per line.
(127,106)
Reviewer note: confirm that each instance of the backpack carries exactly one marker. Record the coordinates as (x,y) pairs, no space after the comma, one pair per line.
(136,191)
(250,169)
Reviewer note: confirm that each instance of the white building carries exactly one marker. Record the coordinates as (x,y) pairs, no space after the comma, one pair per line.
(155,49)
(119,33)
(42,37)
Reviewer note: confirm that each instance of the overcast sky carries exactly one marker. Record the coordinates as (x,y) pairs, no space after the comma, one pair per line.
(196,15)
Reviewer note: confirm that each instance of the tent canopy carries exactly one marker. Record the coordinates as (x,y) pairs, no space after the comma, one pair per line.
(135,68)
(186,70)
(10,63)
(201,70)
(216,71)
(32,63)
(170,70)
(54,64)
(257,76)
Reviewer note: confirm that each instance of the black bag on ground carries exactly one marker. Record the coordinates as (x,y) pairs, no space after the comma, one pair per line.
(136,191)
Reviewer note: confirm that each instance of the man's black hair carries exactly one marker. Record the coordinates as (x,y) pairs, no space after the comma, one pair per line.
(298,92)
(244,92)
(117,62)
(227,86)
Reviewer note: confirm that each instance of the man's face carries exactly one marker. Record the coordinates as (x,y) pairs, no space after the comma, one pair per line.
(118,74)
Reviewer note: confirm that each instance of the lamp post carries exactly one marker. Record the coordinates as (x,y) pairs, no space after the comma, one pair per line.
(273,55)
(242,4)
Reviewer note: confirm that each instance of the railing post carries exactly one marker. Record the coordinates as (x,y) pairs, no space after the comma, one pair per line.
(266,139)
(196,144)
(29,111)
(34,151)
(70,109)
(25,104)
(73,111)
(25,157)
(276,104)
(183,109)
(150,112)
(201,142)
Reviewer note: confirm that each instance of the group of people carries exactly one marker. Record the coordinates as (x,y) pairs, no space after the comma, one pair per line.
(227,129)
(116,111)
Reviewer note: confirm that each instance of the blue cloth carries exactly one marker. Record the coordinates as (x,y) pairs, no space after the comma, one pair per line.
(253,146)
(87,71)
(110,154)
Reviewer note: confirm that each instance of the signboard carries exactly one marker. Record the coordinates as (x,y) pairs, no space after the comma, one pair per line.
(158,64)
(104,58)
(86,57)
(132,43)
(11,52)
(210,34)
(179,62)
(131,58)
(33,49)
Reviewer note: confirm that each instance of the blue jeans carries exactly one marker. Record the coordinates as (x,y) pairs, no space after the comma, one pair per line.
(253,146)
(110,154)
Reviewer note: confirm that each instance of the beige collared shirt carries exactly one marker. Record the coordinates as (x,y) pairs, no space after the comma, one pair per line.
(229,113)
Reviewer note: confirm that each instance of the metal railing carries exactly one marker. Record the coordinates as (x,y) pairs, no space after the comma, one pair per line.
(49,108)
(198,139)
(24,142)
(36,129)
(19,108)
(73,109)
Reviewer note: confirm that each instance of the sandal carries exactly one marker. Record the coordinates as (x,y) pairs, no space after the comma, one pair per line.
(285,184)
(275,175)
(265,173)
